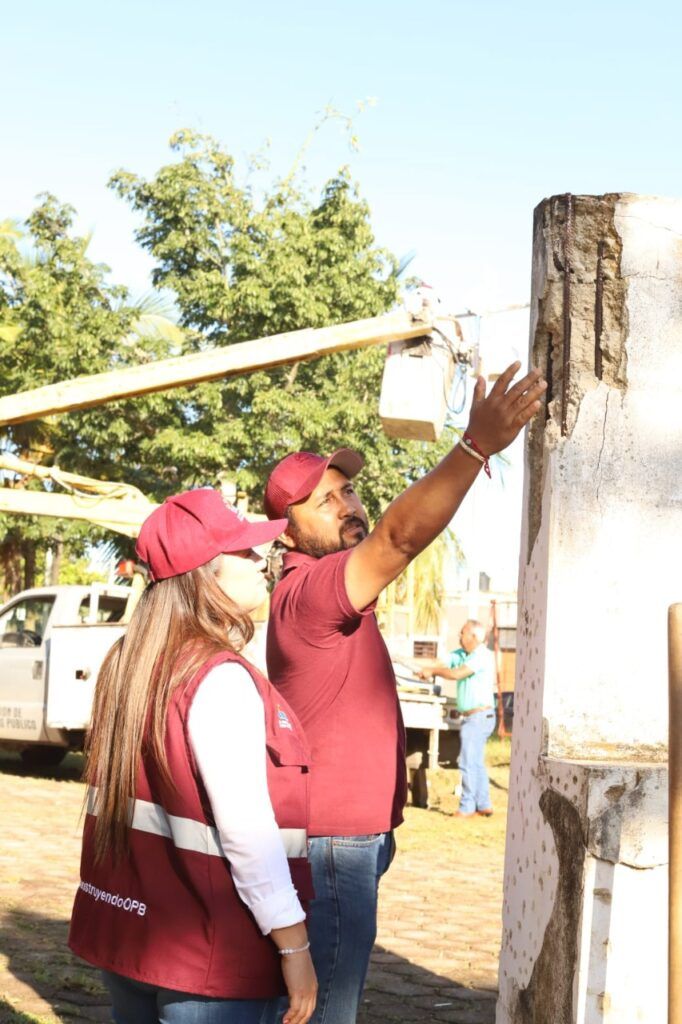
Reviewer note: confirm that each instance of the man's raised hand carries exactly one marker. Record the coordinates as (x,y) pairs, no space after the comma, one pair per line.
(496,419)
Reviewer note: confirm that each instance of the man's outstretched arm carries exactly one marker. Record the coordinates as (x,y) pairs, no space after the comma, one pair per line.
(438,668)
(421,512)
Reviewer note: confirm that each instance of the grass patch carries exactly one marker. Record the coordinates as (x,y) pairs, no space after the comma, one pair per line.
(435,828)
(498,752)
(79,980)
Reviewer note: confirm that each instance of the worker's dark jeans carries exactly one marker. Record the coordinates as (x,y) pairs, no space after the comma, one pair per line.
(474,734)
(342,920)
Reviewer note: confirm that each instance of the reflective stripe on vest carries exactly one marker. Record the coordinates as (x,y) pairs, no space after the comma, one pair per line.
(188,834)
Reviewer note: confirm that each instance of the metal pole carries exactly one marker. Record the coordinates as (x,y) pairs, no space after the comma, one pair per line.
(675,815)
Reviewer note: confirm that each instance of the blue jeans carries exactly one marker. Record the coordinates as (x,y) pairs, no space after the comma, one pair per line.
(475,731)
(134,1002)
(342,920)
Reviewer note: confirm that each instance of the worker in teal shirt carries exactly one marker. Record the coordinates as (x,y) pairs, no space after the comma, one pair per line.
(473,666)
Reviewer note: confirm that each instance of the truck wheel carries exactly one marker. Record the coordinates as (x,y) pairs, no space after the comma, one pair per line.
(40,756)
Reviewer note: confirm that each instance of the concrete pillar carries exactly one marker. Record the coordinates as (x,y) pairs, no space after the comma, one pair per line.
(585,892)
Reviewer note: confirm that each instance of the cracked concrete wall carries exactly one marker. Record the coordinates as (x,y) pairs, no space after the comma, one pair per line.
(601,560)
(608,491)
(579,321)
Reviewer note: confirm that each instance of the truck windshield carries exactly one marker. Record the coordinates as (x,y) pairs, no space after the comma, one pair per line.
(23,624)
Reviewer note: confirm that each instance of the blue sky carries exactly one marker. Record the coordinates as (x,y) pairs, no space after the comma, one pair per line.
(482,110)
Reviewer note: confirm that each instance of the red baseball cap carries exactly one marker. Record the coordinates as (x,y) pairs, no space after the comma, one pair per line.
(298,474)
(190,529)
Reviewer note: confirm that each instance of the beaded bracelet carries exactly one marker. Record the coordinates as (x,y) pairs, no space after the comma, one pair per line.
(297,949)
(471,448)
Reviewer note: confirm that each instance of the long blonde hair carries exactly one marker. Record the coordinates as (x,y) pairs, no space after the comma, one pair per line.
(178,624)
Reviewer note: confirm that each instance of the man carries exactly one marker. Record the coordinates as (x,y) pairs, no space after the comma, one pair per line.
(327,657)
(473,666)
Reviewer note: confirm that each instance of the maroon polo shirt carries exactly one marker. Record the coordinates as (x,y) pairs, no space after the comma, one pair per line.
(331,665)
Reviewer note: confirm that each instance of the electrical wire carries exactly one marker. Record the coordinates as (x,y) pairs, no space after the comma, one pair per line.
(456,395)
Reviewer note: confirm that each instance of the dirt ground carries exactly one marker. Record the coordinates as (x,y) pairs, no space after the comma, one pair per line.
(439,922)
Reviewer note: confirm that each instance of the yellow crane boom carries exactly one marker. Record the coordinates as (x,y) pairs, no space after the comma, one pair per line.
(113,506)
(121,507)
(227,361)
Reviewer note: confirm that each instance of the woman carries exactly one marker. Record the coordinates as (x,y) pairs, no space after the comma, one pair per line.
(194,842)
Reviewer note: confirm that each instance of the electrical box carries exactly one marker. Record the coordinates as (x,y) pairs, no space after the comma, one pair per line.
(415,388)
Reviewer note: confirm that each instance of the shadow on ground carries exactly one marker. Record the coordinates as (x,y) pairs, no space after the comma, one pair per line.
(70,770)
(10,1015)
(398,990)
(37,956)
(38,959)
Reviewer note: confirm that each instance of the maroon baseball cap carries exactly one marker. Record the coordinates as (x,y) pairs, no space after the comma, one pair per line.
(298,474)
(190,529)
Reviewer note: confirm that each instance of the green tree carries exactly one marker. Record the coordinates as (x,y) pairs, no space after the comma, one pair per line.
(237,268)
(59,318)
(241,268)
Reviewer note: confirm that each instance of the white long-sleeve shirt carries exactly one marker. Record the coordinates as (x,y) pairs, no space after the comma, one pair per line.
(227,734)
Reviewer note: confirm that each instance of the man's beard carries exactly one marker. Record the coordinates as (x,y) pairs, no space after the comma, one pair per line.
(315,546)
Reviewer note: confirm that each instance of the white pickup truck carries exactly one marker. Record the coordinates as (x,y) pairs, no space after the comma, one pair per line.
(432,725)
(53,641)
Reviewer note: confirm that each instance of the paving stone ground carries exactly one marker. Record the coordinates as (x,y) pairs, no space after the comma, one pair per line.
(439,921)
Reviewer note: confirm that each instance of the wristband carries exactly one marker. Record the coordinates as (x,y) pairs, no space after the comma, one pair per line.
(471,448)
(297,949)
(471,452)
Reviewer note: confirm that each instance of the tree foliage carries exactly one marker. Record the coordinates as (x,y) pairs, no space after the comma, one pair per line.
(238,266)
(242,268)
(59,318)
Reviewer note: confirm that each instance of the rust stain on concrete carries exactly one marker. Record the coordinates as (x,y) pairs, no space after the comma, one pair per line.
(581,324)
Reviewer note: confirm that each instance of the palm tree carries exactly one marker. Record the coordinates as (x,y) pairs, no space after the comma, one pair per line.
(418,594)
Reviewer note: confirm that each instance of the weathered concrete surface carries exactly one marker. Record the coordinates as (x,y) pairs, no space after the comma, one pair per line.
(601,561)
(552,977)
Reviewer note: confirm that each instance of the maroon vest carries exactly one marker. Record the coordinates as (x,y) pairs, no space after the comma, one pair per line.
(169,914)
